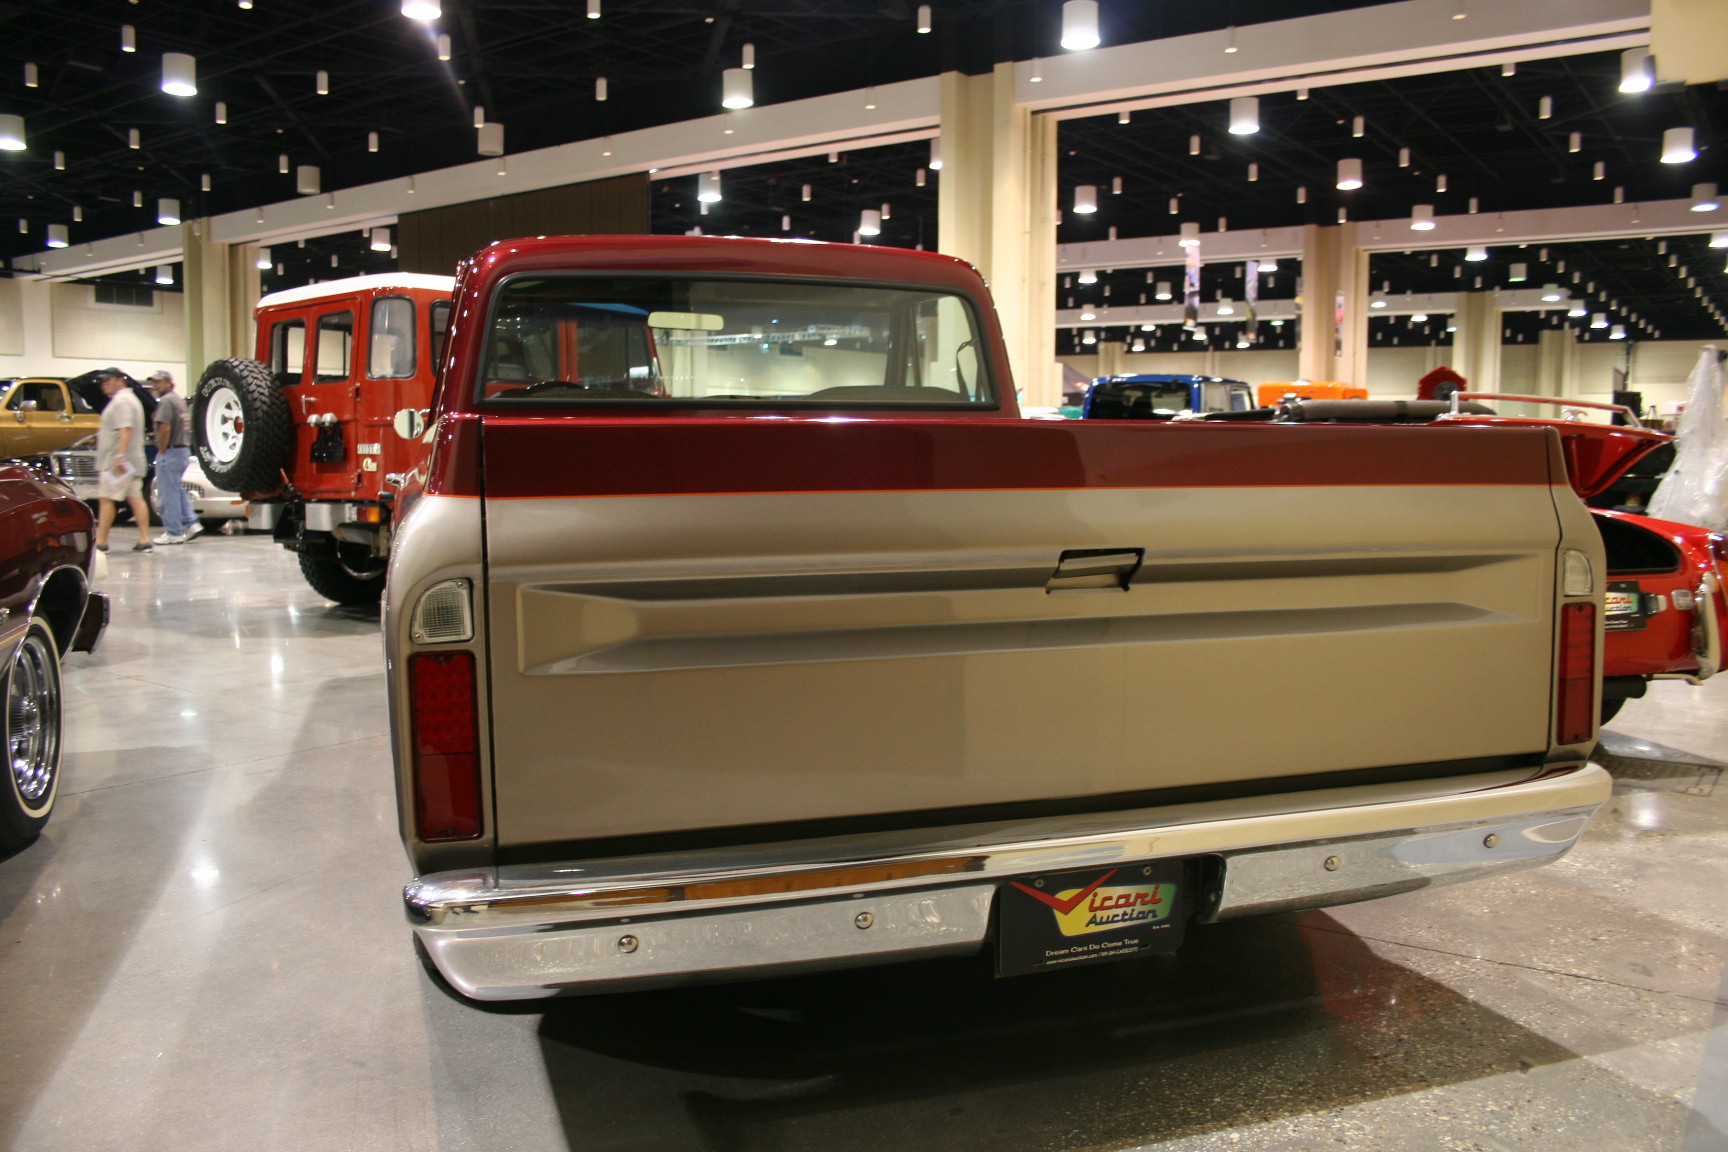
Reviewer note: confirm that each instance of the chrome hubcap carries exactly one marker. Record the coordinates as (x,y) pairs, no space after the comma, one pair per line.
(224,425)
(33,720)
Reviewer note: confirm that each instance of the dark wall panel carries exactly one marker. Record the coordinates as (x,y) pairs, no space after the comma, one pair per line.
(435,240)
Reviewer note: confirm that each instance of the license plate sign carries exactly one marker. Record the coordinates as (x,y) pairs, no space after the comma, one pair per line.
(1061,919)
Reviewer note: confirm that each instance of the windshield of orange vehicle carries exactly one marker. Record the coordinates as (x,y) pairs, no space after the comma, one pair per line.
(560,340)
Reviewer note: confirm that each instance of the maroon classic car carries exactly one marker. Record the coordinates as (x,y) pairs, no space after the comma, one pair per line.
(46,610)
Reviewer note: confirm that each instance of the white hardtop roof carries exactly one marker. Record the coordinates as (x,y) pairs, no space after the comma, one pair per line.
(352,284)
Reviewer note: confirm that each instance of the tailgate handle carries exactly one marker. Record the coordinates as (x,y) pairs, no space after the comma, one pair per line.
(1095,570)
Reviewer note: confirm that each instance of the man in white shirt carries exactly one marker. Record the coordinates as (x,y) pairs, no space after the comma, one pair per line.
(120,461)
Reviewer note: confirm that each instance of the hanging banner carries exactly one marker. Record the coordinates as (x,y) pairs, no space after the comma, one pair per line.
(1191,290)
(1251,278)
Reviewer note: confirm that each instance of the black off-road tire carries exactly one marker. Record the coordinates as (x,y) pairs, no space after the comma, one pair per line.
(334,580)
(242,428)
(31,723)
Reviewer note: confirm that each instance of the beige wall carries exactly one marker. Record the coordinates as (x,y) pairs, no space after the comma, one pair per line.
(57,330)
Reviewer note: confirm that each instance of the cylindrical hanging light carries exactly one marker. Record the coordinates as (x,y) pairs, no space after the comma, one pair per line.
(128,38)
(747,57)
(57,237)
(137,201)
(1636,73)
(282,163)
(708,187)
(1551,293)
(12,134)
(167,211)
(1080,25)
(307,179)
(1517,273)
(1089,337)
(804,193)
(1704,198)
(221,111)
(1598,319)
(179,74)
(381,239)
(737,88)
(1403,157)
(1161,290)
(1349,174)
(164,273)
(443,46)
(1677,146)
(1545,108)
(602,89)
(422,9)
(1359,126)
(924,19)
(479,115)
(134,139)
(593,9)
(1476,253)
(1086,199)
(935,162)
(262,263)
(1088,276)
(1719,240)
(31,77)
(870,222)
(322,82)
(1422,218)
(1575,142)
(489,138)
(371,141)
(1617,332)
(1245,115)
(1190,237)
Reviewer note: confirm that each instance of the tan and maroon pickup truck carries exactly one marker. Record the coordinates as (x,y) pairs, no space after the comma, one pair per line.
(737,625)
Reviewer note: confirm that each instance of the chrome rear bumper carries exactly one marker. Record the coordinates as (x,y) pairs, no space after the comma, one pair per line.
(730,913)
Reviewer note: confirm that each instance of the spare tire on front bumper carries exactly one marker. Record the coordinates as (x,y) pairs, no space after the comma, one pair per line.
(241,426)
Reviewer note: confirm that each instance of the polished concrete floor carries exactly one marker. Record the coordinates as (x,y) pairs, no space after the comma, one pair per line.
(205,951)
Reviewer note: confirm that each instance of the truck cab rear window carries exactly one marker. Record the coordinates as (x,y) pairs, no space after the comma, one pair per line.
(560,340)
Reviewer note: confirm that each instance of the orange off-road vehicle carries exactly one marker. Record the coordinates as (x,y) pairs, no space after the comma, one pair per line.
(318,429)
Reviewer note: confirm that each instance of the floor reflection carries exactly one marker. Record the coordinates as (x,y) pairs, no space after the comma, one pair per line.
(1253,1020)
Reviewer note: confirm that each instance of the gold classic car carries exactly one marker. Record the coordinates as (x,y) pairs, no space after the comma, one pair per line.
(41,415)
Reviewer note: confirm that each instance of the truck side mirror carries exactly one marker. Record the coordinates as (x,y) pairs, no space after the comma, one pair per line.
(410,423)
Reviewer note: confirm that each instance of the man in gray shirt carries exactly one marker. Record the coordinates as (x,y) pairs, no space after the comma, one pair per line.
(120,460)
(173,449)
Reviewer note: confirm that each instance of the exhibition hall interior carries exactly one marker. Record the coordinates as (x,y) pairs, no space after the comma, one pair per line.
(746,575)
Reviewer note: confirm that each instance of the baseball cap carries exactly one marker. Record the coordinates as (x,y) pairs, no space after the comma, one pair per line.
(110,372)
(161,374)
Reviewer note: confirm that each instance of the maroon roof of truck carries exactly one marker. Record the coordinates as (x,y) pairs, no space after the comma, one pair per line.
(725,254)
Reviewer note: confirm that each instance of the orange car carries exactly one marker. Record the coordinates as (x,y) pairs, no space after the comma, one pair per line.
(1270,394)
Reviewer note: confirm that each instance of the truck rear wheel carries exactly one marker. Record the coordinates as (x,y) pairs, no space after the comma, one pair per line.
(336,579)
(241,426)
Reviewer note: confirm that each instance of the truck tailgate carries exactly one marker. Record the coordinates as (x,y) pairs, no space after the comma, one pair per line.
(698,624)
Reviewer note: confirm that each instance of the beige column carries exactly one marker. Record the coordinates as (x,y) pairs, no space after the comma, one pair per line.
(996,208)
(204,273)
(1334,281)
(1112,358)
(1476,344)
(1556,361)
(245,286)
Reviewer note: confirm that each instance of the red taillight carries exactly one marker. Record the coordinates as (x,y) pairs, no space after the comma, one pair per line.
(1575,703)
(446,745)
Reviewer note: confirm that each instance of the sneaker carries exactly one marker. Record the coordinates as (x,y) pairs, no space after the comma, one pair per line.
(170,538)
(101,547)
(193,529)
(142,546)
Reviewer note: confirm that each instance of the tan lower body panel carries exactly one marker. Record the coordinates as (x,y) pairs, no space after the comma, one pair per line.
(678,662)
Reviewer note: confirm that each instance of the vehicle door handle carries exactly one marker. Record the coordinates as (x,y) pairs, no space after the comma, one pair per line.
(1095,570)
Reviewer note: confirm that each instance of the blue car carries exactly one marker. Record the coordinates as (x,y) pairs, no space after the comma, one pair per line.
(1163,397)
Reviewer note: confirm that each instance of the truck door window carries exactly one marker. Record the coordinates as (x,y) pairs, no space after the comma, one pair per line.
(1214,398)
(391,338)
(335,347)
(440,325)
(287,352)
(562,339)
